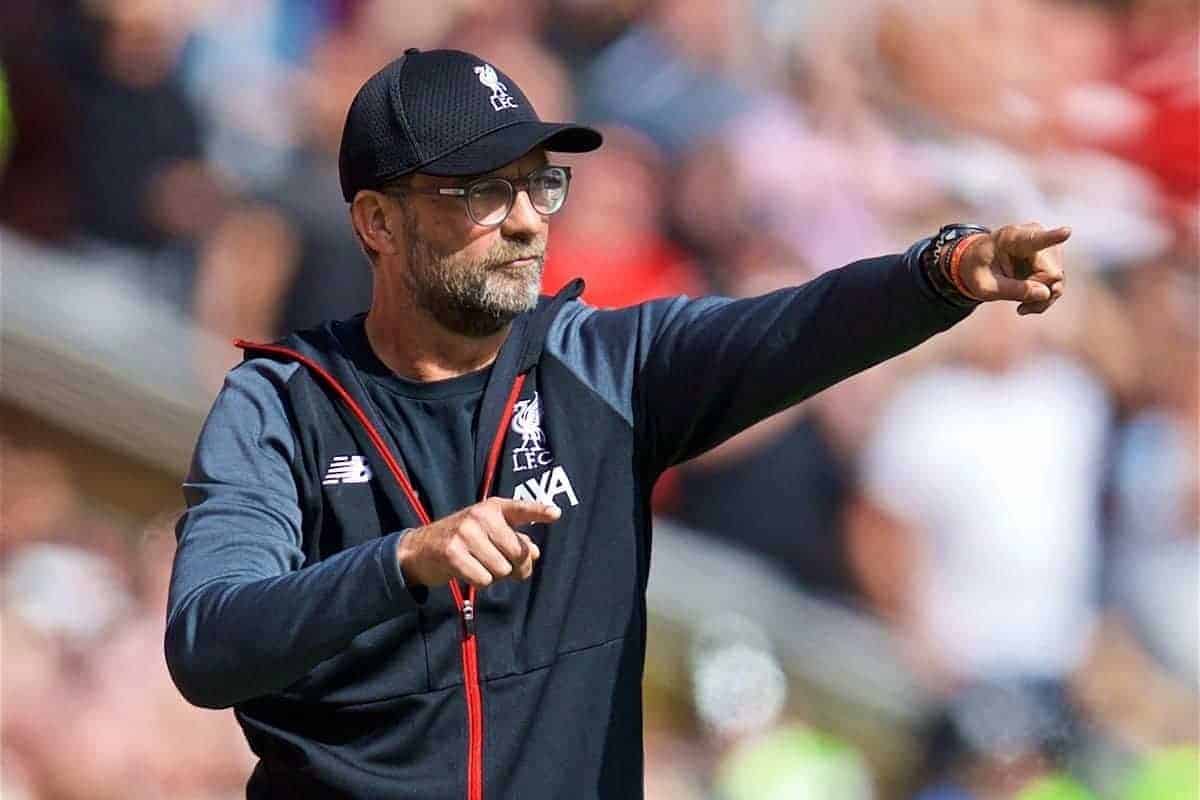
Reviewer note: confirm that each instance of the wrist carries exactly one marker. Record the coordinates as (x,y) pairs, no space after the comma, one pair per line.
(406,548)
(937,262)
(940,282)
(957,255)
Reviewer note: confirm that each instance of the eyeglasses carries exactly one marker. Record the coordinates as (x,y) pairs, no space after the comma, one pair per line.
(490,199)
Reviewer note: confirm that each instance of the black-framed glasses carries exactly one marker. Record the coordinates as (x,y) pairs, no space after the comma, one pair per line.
(490,199)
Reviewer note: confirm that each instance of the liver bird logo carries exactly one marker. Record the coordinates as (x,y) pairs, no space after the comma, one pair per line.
(527,421)
(500,98)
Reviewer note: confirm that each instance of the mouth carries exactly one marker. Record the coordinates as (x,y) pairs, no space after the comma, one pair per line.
(520,263)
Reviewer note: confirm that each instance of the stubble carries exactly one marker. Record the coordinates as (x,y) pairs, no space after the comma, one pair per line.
(473,297)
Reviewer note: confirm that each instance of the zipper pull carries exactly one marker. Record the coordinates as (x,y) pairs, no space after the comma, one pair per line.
(468,615)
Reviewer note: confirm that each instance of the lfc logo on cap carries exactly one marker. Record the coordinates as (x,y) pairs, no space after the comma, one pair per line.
(500,98)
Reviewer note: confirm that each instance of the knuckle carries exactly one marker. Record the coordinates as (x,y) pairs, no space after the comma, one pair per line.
(457,551)
(511,545)
(470,528)
(492,511)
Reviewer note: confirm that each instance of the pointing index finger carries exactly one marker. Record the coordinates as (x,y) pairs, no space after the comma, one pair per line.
(1042,239)
(522,512)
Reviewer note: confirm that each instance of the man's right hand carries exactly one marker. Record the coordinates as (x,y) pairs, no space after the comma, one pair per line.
(477,545)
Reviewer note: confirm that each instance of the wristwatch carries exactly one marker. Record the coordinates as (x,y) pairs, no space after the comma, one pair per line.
(936,257)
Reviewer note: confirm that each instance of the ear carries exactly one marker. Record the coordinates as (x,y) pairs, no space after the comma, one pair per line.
(376,221)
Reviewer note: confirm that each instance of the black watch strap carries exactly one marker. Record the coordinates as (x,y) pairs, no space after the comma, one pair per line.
(935,260)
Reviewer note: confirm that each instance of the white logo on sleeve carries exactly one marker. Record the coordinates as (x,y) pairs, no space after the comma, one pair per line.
(347,469)
(527,422)
(500,98)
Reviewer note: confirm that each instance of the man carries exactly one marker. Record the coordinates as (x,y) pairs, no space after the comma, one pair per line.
(415,556)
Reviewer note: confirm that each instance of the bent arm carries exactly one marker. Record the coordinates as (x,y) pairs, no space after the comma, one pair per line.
(246,616)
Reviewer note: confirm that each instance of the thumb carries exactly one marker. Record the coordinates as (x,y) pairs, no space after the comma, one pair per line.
(522,512)
(1020,291)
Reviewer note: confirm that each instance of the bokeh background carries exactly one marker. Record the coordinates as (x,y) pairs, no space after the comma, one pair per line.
(967,574)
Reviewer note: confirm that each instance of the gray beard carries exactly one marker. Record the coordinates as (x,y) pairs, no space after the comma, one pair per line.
(474,298)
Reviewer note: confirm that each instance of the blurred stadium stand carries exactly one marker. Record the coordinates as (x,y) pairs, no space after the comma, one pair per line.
(833,617)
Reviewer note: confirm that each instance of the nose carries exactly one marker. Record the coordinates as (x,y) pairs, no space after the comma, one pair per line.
(523,221)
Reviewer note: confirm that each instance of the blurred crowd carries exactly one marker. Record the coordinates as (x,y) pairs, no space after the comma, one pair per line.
(1018,501)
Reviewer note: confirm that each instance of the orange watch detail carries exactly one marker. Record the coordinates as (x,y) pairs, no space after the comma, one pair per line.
(960,247)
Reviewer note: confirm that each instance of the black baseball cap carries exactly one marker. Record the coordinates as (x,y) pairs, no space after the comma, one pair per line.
(443,112)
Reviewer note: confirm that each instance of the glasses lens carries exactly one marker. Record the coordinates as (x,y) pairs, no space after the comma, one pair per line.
(548,189)
(490,201)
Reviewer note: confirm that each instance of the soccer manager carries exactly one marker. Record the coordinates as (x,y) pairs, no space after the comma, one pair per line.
(415,553)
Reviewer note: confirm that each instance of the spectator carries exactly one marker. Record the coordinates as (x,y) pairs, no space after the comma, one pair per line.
(993,568)
(304,263)
(239,68)
(610,232)
(39,186)
(1140,685)
(146,193)
(665,76)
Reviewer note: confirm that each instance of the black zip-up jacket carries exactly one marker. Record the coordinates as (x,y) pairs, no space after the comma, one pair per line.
(287,602)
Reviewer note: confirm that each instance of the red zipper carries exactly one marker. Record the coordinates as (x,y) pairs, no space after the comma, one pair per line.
(470,667)
(465,602)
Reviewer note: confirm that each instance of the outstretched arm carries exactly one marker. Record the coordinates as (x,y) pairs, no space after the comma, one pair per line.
(711,368)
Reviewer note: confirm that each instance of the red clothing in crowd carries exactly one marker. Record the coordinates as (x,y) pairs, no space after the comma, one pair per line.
(623,275)
(1164,144)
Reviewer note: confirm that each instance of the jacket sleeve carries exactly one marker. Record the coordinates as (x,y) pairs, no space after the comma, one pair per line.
(713,367)
(245,615)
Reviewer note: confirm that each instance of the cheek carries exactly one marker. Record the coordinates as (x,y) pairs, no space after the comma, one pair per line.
(458,238)
(472,250)
(481,244)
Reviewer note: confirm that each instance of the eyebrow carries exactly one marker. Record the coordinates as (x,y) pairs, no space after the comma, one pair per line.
(544,162)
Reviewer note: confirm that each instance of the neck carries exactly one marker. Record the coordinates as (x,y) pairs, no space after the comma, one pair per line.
(414,345)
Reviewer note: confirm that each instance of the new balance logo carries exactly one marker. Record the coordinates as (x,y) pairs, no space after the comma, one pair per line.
(347,469)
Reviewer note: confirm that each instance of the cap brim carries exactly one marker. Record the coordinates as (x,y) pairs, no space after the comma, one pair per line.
(504,146)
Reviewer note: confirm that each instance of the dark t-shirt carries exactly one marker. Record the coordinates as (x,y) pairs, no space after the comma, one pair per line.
(783,501)
(128,137)
(432,425)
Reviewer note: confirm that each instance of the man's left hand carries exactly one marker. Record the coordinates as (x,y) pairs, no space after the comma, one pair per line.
(1022,263)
